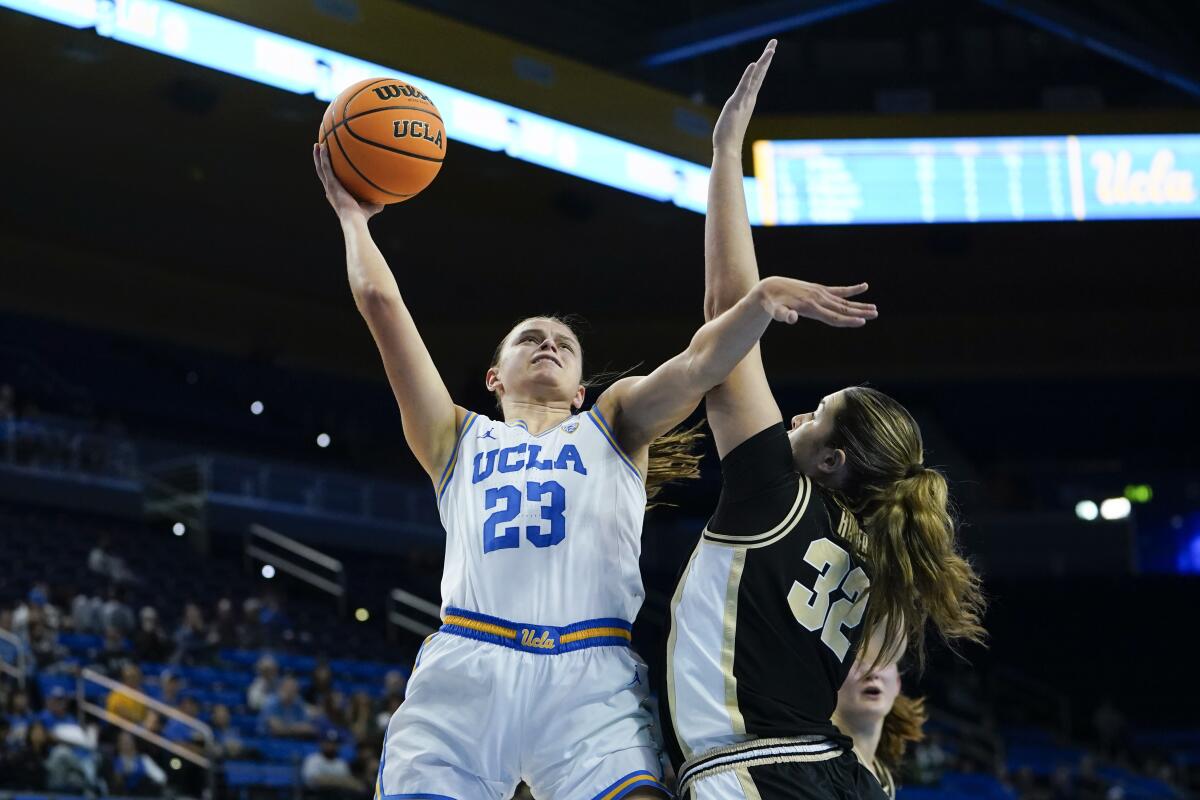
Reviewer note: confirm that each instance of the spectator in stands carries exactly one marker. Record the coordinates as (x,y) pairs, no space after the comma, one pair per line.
(103,562)
(250,632)
(276,627)
(362,718)
(227,742)
(179,731)
(73,764)
(114,653)
(116,613)
(333,710)
(223,632)
(133,773)
(42,643)
(365,766)
(327,775)
(26,767)
(930,759)
(86,613)
(150,642)
(192,644)
(37,608)
(170,687)
(124,704)
(265,684)
(285,714)
(393,695)
(321,686)
(19,717)
(55,713)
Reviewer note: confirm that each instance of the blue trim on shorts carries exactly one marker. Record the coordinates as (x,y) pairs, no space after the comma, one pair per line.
(647,780)
(529,637)
(418,796)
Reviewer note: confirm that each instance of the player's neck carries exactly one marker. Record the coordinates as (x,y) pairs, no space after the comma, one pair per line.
(866,735)
(538,416)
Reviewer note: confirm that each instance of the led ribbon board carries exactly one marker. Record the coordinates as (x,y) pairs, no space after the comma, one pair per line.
(995,179)
(1029,178)
(255,54)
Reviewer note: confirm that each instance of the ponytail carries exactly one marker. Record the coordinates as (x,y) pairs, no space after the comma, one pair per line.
(918,573)
(673,457)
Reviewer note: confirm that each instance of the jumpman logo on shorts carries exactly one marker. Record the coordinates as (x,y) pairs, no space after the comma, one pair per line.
(637,680)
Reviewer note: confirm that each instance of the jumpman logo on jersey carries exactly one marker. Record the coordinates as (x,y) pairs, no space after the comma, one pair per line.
(486,435)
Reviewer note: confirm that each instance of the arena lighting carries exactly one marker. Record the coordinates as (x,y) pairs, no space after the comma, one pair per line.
(1139,493)
(817,182)
(1115,508)
(179,529)
(362,615)
(256,407)
(323,440)
(1086,510)
(285,63)
(268,571)
(176,763)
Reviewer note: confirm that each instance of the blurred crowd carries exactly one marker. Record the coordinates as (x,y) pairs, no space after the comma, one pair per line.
(47,744)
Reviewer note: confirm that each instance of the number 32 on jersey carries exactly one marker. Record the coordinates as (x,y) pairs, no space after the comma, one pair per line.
(812,608)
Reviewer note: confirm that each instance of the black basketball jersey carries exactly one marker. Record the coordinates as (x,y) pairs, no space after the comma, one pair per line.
(766,617)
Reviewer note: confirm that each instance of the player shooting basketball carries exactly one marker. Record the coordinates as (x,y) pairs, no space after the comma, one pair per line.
(531,675)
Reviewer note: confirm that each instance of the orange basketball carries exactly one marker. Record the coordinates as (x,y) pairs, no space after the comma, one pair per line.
(386,140)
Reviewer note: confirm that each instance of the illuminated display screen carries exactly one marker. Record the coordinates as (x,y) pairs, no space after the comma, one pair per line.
(995,179)
(258,55)
(1028,178)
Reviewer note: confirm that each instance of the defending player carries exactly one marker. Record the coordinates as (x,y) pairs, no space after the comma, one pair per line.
(531,676)
(878,717)
(812,521)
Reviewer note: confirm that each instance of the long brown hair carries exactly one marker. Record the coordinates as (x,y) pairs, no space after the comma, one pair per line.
(673,456)
(918,573)
(902,726)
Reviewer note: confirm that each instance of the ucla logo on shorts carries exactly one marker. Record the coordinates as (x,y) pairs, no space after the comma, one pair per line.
(571,425)
(530,638)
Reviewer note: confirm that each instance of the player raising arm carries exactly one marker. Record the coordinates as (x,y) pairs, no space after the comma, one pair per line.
(531,675)
(824,532)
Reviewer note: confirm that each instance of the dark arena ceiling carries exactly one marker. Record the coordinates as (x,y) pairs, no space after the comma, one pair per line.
(876,55)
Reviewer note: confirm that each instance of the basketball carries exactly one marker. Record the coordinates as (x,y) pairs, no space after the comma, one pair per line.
(386,140)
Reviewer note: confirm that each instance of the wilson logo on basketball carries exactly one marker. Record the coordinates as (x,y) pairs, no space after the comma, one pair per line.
(397,90)
(415,129)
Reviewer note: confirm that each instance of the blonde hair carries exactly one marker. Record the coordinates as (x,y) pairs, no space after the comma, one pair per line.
(673,456)
(918,573)
(902,726)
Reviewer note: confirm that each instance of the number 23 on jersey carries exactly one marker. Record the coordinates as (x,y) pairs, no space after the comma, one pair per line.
(507,502)
(812,607)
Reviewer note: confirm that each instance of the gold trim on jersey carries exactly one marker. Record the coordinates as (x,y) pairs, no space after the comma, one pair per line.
(747,782)
(672,639)
(729,639)
(803,495)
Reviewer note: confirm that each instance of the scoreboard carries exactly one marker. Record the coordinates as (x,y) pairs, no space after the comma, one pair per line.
(993,179)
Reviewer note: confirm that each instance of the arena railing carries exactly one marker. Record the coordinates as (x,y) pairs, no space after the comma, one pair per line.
(402,604)
(88,708)
(18,668)
(298,560)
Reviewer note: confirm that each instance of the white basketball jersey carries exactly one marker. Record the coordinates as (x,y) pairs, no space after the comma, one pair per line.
(543,529)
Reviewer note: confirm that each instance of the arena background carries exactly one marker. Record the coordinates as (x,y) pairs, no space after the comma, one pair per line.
(169,260)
